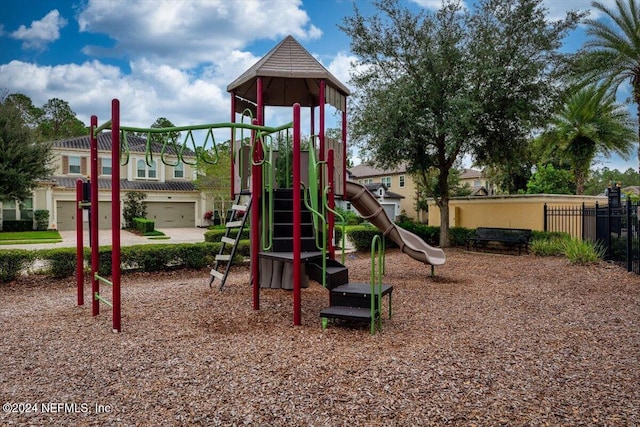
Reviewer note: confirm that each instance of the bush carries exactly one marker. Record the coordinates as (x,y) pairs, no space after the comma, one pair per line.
(62,261)
(362,235)
(12,262)
(42,219)
(144,225)
(547,247)
(583,252)
(22,225)
(216,234)
(134,207)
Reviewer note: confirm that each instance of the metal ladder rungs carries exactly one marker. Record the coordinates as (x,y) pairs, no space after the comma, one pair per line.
(223,257)
(233,224)
(239,208)
(228,240)
(218,275)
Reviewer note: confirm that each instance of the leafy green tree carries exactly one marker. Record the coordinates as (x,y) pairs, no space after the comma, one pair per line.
(589,123)
(432,87)
(613,49)
(31,115)
(549,180)
(59,121)
(214,178)
(24,160)
(134,207)
(600,179)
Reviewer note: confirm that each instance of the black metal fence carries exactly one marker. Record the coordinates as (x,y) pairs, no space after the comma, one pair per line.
(614,226)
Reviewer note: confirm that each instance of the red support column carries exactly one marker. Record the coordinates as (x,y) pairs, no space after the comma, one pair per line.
(80,242)
(115,210)
(93,180)
(232,146)
(332,204)
(256,194)
(297,316)
(344,150)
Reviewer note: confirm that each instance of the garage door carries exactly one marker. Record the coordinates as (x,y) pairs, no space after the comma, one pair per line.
(172,215)
(66,215)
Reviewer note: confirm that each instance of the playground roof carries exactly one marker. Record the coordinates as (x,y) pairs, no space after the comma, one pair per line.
(290,74)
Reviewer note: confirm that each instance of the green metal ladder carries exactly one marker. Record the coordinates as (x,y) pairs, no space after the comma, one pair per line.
(232,225)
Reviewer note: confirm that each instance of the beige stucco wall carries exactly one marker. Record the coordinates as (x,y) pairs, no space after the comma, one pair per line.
(518,211)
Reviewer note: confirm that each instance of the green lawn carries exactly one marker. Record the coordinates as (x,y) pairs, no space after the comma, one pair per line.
(22,237)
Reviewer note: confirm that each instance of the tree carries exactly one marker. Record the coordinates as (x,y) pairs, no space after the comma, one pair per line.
(24,160)
(134,207)
(600,179)
(435,86)
(31,115)
(589,123)
(214,179)
(613,51)
(549,180)
(59,121)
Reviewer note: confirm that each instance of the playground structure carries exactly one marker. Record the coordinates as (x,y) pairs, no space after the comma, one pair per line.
(292,211)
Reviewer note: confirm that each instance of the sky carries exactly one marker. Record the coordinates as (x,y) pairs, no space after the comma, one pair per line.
(175,58)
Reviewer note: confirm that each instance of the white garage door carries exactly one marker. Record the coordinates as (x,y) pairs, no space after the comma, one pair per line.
(66,215)
(172,215)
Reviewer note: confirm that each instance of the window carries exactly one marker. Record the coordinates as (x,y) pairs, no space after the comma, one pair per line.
(367,181)
(144,171)
(26,209)
(74,164)
(178,170)
(477,183)
(401,181)
(106,167)
(9,210)
(386,180)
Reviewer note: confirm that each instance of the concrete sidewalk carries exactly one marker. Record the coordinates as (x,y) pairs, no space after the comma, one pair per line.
(176,235)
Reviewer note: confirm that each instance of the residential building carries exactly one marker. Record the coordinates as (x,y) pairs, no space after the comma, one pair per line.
(172,198)
(397,181)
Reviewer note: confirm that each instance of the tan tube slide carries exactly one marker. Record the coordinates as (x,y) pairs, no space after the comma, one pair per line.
(409,243)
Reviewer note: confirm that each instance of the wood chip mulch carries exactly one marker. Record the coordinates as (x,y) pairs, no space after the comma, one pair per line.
(491,340)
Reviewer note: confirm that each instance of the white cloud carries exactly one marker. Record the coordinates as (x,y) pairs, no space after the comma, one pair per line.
(189,33)
(41,32)
(558,9)
(434,4)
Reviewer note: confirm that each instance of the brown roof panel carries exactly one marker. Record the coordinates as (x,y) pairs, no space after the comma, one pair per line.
(290,74)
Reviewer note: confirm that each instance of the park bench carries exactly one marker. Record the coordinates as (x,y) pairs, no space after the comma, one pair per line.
(509,237)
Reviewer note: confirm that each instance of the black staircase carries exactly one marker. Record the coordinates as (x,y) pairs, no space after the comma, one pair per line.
(347,301)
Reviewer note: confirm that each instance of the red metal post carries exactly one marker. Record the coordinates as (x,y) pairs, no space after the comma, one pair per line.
(332,204)
(80,242)
(256,193)
(115,211)
(93,180)
(232,146)
(344,150)
(297,317)
(321,155)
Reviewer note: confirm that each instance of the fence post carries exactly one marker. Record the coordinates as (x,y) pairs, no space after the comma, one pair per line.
(629,236)
(545,217)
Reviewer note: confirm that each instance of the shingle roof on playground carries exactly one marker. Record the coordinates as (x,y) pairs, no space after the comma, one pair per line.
(105,184)
(291,76)
(136,144)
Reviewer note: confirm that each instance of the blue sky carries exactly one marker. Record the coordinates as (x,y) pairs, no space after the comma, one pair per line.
(171,58)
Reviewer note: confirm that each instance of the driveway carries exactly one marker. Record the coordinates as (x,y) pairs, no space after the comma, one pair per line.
(176,235)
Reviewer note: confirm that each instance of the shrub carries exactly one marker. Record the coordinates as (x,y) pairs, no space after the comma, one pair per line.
(62,261)
(144,225)
(134,207)
(21,225)
(42,219)
(459,235)
(583,252)
(216,234)
(12,262)
(197,255)
(547,247)
(362,235)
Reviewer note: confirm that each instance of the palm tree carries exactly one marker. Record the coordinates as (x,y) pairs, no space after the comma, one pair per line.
(590,122)
(614,50)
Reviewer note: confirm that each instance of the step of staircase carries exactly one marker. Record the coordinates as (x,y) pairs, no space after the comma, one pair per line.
(336,273)
(355,295)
